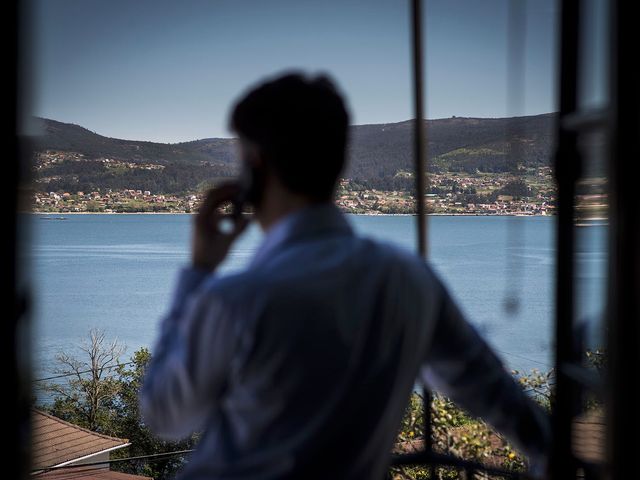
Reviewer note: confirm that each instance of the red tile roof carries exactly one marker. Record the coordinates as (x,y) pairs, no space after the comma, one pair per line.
(55,441)
(86,473)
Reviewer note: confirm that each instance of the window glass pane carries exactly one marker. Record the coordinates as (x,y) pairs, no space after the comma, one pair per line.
(593,91)
(492,193)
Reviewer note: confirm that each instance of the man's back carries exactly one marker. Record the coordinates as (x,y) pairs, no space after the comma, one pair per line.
(301,366)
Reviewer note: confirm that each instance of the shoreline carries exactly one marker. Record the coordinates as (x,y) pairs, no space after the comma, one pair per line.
(106,213)
(60,214)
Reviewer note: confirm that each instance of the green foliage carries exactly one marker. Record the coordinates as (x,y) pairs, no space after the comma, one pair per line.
(517,188)
(597,359)
(73,138)
(131,426)
(453,432)
(94,206)
(176,177)
(539,385)
(132,206)
(481,151)
(101,394)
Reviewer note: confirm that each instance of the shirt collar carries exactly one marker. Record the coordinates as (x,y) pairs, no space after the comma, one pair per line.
(307,222)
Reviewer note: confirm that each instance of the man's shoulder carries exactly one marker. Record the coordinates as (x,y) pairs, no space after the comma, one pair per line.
(372,254)
(231,285)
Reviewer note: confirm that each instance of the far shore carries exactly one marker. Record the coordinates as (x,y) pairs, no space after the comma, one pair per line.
(60,214)
(109,213)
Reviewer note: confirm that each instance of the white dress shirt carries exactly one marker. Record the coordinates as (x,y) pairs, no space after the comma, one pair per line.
(301,365)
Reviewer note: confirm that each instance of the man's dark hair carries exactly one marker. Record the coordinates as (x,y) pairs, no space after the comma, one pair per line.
(300,125)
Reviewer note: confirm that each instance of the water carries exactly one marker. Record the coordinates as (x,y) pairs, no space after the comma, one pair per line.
(117,272)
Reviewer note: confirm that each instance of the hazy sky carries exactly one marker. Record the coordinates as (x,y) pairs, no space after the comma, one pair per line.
(168,71)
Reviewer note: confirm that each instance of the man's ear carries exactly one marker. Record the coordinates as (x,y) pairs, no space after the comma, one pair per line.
(257,159)
(252,153)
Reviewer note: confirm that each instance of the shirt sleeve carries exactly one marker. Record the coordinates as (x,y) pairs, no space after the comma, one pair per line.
(187,371)
(460,364)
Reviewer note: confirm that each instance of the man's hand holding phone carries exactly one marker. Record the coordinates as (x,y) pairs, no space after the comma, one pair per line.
(210,244)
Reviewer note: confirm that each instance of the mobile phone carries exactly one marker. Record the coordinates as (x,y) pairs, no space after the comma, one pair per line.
(227,224)
(245,183)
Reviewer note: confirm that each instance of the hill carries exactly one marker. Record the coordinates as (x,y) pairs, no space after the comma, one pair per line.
(379,152)
(70,157)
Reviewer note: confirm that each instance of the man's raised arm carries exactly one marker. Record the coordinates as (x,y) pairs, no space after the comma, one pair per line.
(190,362)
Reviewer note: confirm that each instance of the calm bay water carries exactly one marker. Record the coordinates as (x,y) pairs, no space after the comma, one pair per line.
(117,272)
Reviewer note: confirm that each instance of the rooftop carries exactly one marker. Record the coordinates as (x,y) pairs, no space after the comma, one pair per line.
(86,473)
(56,442)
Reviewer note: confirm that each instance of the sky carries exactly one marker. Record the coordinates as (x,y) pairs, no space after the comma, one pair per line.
(169,71)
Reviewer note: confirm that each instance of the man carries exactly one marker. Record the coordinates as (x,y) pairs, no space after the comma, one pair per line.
(301,365)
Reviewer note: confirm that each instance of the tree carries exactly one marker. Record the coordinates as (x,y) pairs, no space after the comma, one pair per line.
(517,188)
(90,387)
(101,394)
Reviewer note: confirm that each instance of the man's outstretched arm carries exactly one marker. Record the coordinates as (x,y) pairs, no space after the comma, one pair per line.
(461,365)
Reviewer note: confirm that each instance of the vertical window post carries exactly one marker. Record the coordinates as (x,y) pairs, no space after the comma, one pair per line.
(420,175)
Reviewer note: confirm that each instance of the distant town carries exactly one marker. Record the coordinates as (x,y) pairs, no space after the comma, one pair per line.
(348,198)
(529,192)
(452,194)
